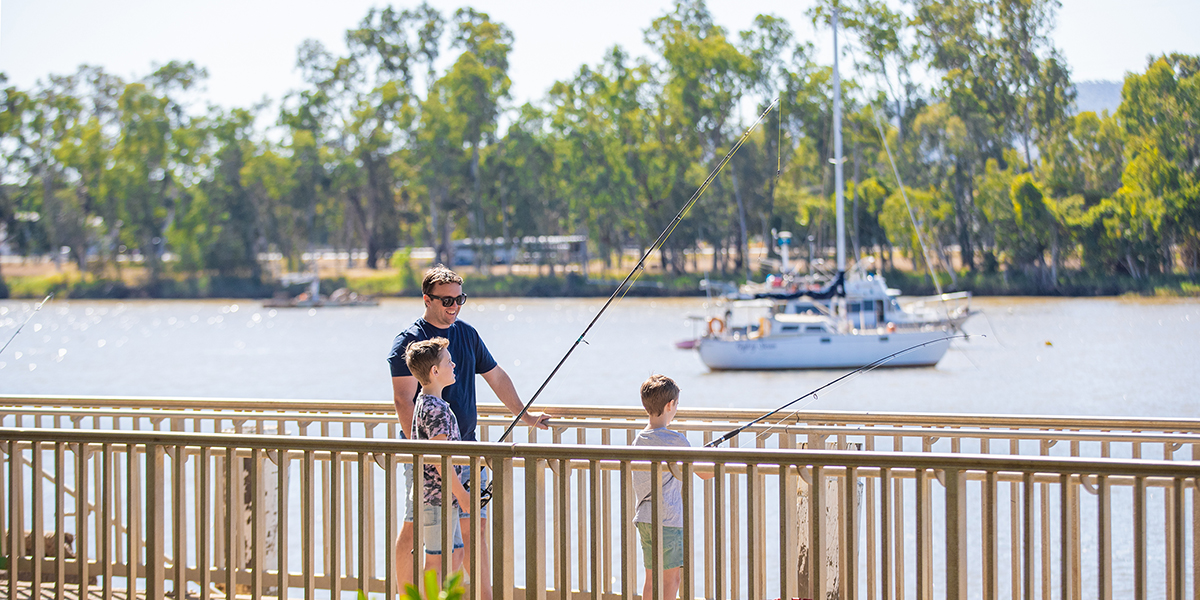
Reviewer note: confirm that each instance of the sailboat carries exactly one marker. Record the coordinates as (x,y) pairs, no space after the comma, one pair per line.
(787,335)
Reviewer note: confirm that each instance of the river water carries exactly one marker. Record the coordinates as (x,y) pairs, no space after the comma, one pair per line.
(1108,356)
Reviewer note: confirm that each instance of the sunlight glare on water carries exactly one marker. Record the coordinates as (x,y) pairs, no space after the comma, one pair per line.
(1107,356)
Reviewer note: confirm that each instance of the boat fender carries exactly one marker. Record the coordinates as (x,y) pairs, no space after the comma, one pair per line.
(716,326)
(764,329)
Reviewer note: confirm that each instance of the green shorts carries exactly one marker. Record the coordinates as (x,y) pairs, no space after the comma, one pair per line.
(672,541)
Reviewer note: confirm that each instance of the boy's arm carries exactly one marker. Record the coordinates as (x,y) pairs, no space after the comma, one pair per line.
(456,486)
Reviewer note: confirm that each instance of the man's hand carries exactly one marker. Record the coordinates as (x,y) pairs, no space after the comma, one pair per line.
(539,420)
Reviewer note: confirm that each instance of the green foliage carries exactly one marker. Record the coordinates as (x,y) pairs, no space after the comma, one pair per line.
(398,143)
(454,589)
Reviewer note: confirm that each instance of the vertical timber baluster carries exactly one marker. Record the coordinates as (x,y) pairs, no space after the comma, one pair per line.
(816,533)
(849,511)
(1067,536)
(597,516)
(562,528)
(719,533)
(924,544)
(334,543)
(1178,551)
(156,484)
(503,530)
(282,543)
(60,521)
(258,525)
(179,520)
(1139,538)
(204,521)
(535,533)
(308,520)
(886,544)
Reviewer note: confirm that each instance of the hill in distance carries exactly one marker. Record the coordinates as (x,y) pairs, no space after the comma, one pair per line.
(1097,96)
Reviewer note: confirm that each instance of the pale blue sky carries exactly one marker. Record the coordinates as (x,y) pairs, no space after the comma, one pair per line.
(249,46)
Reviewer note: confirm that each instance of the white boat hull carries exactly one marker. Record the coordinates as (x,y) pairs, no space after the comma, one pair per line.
(829,351)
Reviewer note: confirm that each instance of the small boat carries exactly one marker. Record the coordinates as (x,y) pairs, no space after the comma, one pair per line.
(312,298)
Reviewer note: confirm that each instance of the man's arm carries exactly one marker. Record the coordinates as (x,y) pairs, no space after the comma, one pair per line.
(404,389)
(503,386)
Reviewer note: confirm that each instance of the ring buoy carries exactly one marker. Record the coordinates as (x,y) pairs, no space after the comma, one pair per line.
(716,326)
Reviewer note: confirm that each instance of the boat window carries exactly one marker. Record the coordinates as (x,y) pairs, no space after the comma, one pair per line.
(812,328)
(826,340)
(790,328)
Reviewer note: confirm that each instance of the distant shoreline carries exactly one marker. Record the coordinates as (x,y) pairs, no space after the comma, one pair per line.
(395,283)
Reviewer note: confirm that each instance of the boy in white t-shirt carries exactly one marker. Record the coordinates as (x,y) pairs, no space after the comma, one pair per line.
(660,397)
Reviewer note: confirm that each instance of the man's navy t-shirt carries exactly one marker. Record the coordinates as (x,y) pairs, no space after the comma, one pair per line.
(470,357)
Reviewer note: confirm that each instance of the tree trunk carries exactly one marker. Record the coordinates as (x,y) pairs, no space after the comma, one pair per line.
(433,229)
(743,261)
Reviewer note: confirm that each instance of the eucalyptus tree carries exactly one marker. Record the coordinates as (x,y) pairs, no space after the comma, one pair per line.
(478,82)
(154,158)
(595,121)
(1158,204)
(14,104)
(218,225)
(701,77)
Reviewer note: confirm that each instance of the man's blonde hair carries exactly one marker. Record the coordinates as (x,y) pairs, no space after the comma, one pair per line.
(438,274)
(657,392)
(422,356)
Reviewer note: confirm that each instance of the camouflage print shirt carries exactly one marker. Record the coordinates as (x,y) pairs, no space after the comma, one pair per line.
(432,417)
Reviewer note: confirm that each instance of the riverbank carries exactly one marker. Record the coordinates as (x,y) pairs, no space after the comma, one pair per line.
(537,283)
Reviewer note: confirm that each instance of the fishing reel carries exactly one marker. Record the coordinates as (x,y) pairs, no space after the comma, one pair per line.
(485,495)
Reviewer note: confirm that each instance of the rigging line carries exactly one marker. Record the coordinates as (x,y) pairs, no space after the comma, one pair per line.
(35,311)
(921,239)
(862,369)
(779,141)
(662,238)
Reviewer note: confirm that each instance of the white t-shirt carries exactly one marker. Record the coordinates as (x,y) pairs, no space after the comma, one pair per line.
(672,508)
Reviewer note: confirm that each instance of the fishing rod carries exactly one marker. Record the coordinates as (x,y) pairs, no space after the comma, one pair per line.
(860,370)
(35,310)
(662,238)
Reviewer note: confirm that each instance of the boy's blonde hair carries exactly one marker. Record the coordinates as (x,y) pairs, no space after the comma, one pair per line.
(657,392)
(423,355)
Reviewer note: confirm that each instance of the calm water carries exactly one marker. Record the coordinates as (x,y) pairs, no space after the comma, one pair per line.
(1110,356)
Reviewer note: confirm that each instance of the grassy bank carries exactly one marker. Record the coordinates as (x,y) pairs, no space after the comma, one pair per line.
(405,282)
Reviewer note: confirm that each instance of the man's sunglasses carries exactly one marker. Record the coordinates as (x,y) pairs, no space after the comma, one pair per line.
(448,301)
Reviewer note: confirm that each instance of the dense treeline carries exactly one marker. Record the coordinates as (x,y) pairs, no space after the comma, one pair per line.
(411,139)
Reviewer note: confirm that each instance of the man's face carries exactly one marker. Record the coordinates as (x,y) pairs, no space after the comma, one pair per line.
(435,313)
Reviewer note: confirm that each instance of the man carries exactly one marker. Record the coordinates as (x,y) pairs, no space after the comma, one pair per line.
(442,293)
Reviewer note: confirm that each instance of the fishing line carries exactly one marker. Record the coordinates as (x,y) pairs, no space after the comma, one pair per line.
(35,311)
(622,288)
(814,393)
(636,271)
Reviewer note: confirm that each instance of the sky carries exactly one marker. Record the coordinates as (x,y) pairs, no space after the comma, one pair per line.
(249,46)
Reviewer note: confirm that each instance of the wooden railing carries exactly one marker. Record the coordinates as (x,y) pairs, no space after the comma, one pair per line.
(889,505)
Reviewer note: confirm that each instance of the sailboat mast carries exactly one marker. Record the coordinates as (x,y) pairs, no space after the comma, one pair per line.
(838,177)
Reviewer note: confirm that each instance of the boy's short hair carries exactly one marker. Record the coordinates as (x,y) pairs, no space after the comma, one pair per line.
(423,355)
(657,392)
(438,274)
